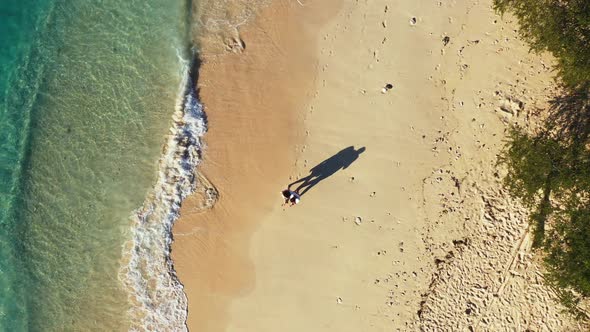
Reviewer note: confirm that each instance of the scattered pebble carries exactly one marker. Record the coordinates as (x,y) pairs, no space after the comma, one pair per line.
(339,300)
(387,87)
(358,220)
(413,21)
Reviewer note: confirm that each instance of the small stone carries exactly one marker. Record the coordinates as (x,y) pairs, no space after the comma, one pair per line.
(358,220)
(339,300)
(387,87)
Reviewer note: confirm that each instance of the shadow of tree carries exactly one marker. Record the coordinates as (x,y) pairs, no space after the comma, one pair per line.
(550,172)
(569,117)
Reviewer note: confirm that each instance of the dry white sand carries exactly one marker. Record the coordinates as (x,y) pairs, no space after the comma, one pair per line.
(416,233)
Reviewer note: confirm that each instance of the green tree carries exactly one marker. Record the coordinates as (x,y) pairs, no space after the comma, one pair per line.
(561,27)
(551,176)
(535,171)
(550,171)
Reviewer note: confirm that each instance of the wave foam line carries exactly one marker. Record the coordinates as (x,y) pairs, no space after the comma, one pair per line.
(157,297)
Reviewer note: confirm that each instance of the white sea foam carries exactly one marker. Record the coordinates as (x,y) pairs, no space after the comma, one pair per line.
(157,296)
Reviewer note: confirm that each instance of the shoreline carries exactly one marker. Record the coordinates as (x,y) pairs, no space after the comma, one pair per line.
(90,157)
(253,129)
(148,276)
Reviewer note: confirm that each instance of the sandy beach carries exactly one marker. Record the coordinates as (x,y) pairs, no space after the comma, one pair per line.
(406,226)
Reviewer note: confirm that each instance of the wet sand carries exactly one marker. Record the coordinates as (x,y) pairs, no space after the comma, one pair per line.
(254,99)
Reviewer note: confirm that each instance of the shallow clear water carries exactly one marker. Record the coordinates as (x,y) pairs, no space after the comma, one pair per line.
(88,89)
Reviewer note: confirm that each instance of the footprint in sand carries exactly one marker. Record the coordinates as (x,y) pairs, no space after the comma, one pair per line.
(446,40)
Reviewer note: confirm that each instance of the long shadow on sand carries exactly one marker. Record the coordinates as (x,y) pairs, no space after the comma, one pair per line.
(327,168)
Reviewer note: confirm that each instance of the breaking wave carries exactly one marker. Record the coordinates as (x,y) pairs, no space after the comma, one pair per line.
(157,297)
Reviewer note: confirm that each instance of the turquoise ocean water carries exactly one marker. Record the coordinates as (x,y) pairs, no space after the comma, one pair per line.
(87,94)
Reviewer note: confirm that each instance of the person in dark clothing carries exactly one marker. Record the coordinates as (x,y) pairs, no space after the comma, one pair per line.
(291,197)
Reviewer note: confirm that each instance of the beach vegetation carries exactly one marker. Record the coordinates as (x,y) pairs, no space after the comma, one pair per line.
(550,173)
(549,169)
(561,27)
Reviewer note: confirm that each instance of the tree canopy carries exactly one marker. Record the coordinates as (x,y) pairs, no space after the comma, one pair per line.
(550,170)
(561,27)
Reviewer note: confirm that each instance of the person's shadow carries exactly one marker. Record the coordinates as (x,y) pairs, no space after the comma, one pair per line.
(326,168)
